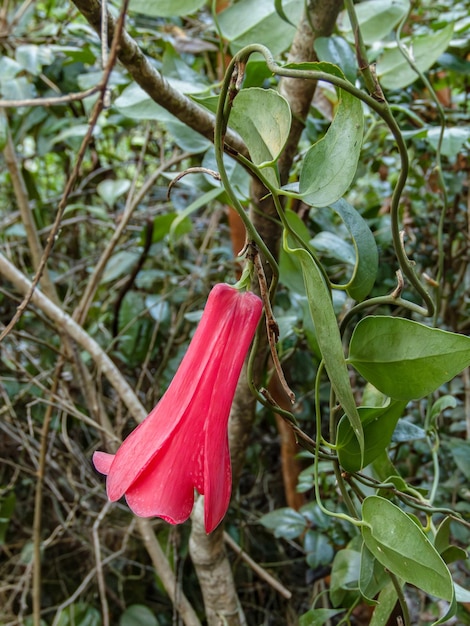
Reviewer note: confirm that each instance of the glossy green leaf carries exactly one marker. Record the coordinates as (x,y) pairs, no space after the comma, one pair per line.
(461,594)
(161,227)
(134,328)
(386,602)
(246,22)
(238,176)
(119,264)
(407,431)
(373,397)
(344,575)
(79,614)
(376,18)
(399,484)
(334,246)
(404,359)
(179,226)
(262,118)
(441,404)
(460,451)
(138,615)
(318,617)
(74,133)
(285,522)
(401,546)
(187,138)
(9,68)
(136,104)
(19,88)
(338,51)
(110,190)
(453,141)
(383,467)
(32,58)
(318,548)
(289,265)
(327,332)
(278,5)
(378,424)
(395,72)
(372,577)
(75,54)
(367,257)
(165,8)
(330,165)
(158,308)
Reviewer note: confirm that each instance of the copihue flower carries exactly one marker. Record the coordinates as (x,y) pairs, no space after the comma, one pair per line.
(182,444)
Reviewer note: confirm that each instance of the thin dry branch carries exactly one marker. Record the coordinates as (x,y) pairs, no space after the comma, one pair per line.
(260,571)
(132,203)
(153,83)
(22,200)
(51,101)
(122,388)
(99,105)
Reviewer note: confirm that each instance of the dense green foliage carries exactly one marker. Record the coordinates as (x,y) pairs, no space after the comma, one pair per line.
(371,298)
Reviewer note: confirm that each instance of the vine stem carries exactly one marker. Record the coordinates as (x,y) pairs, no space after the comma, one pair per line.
(442,119)
(401,599)
(229,88)
(352,518)
(374,101)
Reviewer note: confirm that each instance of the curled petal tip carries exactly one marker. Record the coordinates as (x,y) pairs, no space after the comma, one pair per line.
(102,462)
(182,445)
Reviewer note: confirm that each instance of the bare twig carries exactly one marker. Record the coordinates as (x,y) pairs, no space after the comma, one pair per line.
(122,388)
(132,203)
(260,571)
(74,175)
(191,170)
(22,201)
(38,501)
(153,83)
(51,101)
(99,563)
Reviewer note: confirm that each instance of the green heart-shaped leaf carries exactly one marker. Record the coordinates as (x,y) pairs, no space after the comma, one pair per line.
(406,360)
(378,424)
(401,546)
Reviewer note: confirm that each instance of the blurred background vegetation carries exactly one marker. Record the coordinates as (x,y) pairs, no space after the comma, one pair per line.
(153,288)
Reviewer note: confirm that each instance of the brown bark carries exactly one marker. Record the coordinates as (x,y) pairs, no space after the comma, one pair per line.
(322,15)
(214,573)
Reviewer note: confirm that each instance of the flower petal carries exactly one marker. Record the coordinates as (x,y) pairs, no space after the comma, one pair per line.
(183,443)
(217,486)
(231,355)
(194,379)
(103,461)
(165,489)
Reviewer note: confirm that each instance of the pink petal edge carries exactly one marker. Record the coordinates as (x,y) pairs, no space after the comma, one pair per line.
(102,462)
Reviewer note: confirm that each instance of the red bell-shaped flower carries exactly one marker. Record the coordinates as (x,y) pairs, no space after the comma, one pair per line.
(183,442)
